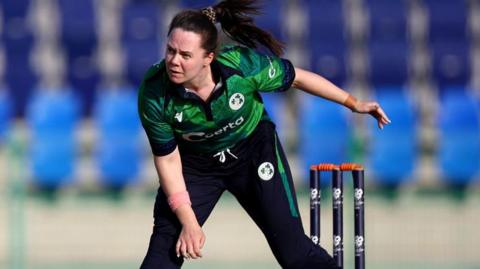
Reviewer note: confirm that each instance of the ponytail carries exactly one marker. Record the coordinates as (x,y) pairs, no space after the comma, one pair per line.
(235,17)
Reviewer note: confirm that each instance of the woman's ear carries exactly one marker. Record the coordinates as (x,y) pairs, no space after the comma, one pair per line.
(208,58)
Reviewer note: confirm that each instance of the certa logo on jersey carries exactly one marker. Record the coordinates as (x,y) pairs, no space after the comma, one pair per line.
(236,101)
(202,136)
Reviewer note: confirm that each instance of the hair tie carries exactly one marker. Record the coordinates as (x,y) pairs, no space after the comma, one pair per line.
(210,13)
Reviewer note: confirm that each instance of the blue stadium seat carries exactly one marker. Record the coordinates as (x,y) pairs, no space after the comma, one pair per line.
(275,105)
(393,150)
(118,146)
(79,39)
(387,33)
(388,20)
(459,137)
(272,18)
(387,68)
(196,4)
(52,116)
(17,39)
(447,20)
(324,134)
(15,8)
(5,114)
(451,63)
(20,80)
(326,39)
(78,27)
(449,42)
(141,38)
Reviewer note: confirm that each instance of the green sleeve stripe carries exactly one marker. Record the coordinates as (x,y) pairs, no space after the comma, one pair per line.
(288,190)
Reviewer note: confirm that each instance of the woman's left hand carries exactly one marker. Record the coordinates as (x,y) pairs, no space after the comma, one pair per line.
(374,109)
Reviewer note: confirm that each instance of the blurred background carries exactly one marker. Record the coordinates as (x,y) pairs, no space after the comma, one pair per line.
(77,183)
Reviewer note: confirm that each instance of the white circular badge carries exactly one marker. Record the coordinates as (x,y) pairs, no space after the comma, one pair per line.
(266,171)
(236,101)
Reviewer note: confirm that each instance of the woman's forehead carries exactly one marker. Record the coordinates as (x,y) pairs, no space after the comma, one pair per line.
(184,40)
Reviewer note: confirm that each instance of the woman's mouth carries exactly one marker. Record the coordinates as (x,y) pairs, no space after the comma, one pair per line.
(173,72)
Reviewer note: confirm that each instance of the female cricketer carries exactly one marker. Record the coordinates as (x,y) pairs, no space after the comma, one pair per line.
(209,132)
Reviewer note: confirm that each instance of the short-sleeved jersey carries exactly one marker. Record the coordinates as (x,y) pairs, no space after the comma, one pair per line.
(172,115)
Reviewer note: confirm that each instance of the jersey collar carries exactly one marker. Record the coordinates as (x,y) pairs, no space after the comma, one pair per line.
(220,74)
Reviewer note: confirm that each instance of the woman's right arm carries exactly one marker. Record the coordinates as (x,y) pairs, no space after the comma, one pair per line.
(169,170)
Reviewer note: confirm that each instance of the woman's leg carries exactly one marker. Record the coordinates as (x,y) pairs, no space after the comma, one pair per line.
(267,193)
(204,194)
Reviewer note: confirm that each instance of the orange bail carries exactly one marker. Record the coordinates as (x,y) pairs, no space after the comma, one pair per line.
(351,166)
(327,167)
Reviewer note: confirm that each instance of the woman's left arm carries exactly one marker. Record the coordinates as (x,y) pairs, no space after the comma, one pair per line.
(319,86)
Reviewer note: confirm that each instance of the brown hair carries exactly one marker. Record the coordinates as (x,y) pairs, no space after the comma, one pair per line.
(235,18)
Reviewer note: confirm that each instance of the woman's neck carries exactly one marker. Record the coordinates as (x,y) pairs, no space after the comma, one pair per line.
(203,84)
(204,80)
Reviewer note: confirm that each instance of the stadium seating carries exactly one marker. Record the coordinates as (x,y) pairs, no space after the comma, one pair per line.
(449,42)
(387,68)
(388,43)
(276,107)
(117,151)
(326,39)
(273,18)
(140,37)
(324,134)
(15,8)
(393,151)
(79,39)
(52,115)
(17,39)
(195,4)
(458,152)
(5,115)
(447,20)
(451,63)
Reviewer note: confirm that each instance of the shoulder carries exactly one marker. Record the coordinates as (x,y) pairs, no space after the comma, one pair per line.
(241,58)
(154,87)
(155,82)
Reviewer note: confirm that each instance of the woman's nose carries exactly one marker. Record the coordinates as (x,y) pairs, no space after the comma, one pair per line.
(174,60)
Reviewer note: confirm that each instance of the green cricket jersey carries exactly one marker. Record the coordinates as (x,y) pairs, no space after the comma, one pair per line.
(171,115)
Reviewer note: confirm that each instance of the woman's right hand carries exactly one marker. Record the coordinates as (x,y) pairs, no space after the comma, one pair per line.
(191,238)
(190,241)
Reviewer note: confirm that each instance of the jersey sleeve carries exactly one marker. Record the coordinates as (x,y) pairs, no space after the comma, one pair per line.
(267,73)
(159,132)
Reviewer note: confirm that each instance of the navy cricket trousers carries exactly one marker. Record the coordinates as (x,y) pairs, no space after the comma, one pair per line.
(257,174)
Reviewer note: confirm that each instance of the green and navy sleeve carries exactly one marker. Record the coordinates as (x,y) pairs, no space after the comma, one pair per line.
(151,111)
(267,73)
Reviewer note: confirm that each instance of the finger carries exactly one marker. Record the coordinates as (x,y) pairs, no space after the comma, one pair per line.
(177,248)
(196,248)
(202,241)
(183,249)
(190,250)
(383,114)
(385,121)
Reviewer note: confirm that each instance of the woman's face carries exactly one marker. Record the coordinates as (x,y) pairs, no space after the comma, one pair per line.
(184,57)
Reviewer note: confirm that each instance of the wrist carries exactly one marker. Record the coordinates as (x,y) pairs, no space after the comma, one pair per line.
(186,216)
(351,103)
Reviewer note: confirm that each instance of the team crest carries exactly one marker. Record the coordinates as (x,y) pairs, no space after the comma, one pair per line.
(266,171)
(236,101)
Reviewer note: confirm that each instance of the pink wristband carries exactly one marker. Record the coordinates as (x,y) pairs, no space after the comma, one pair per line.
(178,199)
